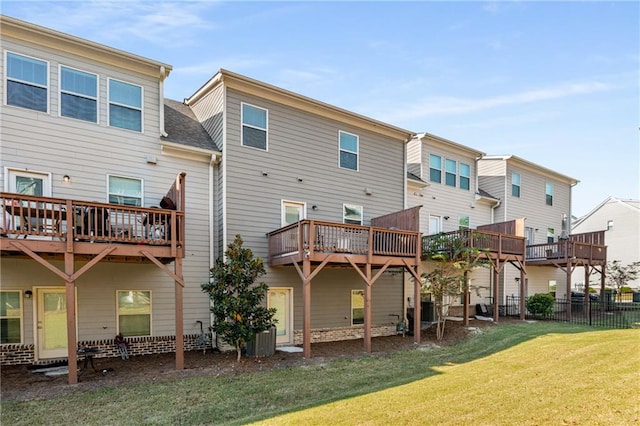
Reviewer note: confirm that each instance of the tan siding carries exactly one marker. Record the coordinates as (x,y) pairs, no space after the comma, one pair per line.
(414,157)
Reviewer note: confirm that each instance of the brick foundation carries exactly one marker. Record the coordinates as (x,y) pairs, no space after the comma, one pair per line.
(319,335)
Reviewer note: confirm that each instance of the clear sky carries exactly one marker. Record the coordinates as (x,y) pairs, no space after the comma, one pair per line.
(556,83)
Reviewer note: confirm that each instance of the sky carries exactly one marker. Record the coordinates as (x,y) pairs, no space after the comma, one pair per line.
(555,83)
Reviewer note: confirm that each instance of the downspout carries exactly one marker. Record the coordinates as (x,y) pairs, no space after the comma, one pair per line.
(163,75)
(493,211)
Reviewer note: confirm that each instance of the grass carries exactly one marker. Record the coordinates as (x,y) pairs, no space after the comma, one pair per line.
(541,373)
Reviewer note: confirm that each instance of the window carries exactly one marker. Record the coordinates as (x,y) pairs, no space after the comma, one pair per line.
(515,184)
(125,105)
(550,235)
(609,224)
(435,168)
(349,145)
(254,126)
(27,82)
(549,193)
(78,94)
(352,214)
(134,312)
(10,316)
(292,212)
(125,191)
(463,222)
(465,176)
(450,172)
(357,307)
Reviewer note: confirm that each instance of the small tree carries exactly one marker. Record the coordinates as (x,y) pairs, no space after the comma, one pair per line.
(453,259)
(618,274)
(237,301)
(540,304)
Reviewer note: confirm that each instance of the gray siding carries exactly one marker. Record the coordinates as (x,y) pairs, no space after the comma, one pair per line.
(88,152)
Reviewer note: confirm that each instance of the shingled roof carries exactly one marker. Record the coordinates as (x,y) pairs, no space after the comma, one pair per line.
(182,127)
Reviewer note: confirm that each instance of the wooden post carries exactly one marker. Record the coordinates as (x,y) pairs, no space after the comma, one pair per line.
(72,339)
(587,301)
(568,285)
(306,296)
(367,310)
(523,293)
(466,295)
(496,278)
(417,308)
(179,316)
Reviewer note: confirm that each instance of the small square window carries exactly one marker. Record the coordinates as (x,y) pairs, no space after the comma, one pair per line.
(352,214)
(125,191)
(349,148)
(254,126)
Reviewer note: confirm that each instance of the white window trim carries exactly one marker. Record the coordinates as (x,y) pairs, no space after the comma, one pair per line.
(284,203)
(6,80)
(351,306)
(357,153)
(126,177)
(548,185)
(462,216)
(60,92)
(442,177)
(434,216)
(141,109)
(21,295)
(9,171)
(455,172)
(266,129)
(460,175)
(361,214)
(150,311)
(519,185)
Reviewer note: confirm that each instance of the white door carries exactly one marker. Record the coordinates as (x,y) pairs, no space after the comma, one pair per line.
(27,183)
(282,300)
(51,322)
(434,225)
(292,212)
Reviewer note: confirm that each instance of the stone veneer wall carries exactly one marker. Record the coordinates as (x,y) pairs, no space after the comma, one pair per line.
(319,335)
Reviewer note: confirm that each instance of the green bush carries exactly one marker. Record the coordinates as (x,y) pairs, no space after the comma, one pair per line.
(626,289)
(540,304)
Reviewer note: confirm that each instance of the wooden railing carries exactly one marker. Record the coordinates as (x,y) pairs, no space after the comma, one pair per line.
(564,250)
(490,242)
(33,217)
(329,237)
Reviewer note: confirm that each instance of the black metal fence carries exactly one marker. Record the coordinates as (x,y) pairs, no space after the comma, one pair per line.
(606,314)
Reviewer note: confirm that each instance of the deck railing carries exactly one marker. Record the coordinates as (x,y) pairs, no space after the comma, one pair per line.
(490,242)
(330,237)
(47,218)
(568,249)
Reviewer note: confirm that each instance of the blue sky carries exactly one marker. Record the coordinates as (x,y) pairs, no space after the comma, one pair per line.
(556,83)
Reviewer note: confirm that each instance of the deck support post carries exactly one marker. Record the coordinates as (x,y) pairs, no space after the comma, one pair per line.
(496,288)
(568,271)
(72,340)
(523,293)
(306,319)
(466,294)
(179,287)
(367,309)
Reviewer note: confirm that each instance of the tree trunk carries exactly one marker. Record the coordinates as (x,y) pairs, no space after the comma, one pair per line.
(238,350)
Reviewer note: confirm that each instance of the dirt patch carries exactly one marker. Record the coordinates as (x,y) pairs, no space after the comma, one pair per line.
(19,383)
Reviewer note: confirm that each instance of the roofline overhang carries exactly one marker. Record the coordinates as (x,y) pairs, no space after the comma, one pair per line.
(190,152)
(267,91)
(450,143)
(31,33)
(532,166)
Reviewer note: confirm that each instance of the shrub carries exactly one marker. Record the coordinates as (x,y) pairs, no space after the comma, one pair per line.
(540,304)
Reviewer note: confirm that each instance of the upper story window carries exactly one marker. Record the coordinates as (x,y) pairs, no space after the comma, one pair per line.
(463,222)
(515,184)
(352,214)
(125,191)
(27,82)
(450,172)
(465,176)
(549,194)
(125,105)
(349,146)
(435,168)
(78,94)
(10,316)
(254,126)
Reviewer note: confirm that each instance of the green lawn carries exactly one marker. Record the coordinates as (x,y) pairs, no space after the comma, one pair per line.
(528,374)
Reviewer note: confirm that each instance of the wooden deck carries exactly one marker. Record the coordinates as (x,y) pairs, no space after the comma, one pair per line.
(579,249)
(52,227)
(337,243)
(492,245)
(44,229)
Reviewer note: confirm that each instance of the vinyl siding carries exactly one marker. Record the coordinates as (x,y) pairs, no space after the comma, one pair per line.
(88,152)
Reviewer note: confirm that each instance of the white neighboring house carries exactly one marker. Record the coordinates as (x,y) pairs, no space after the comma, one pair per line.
(620,218)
